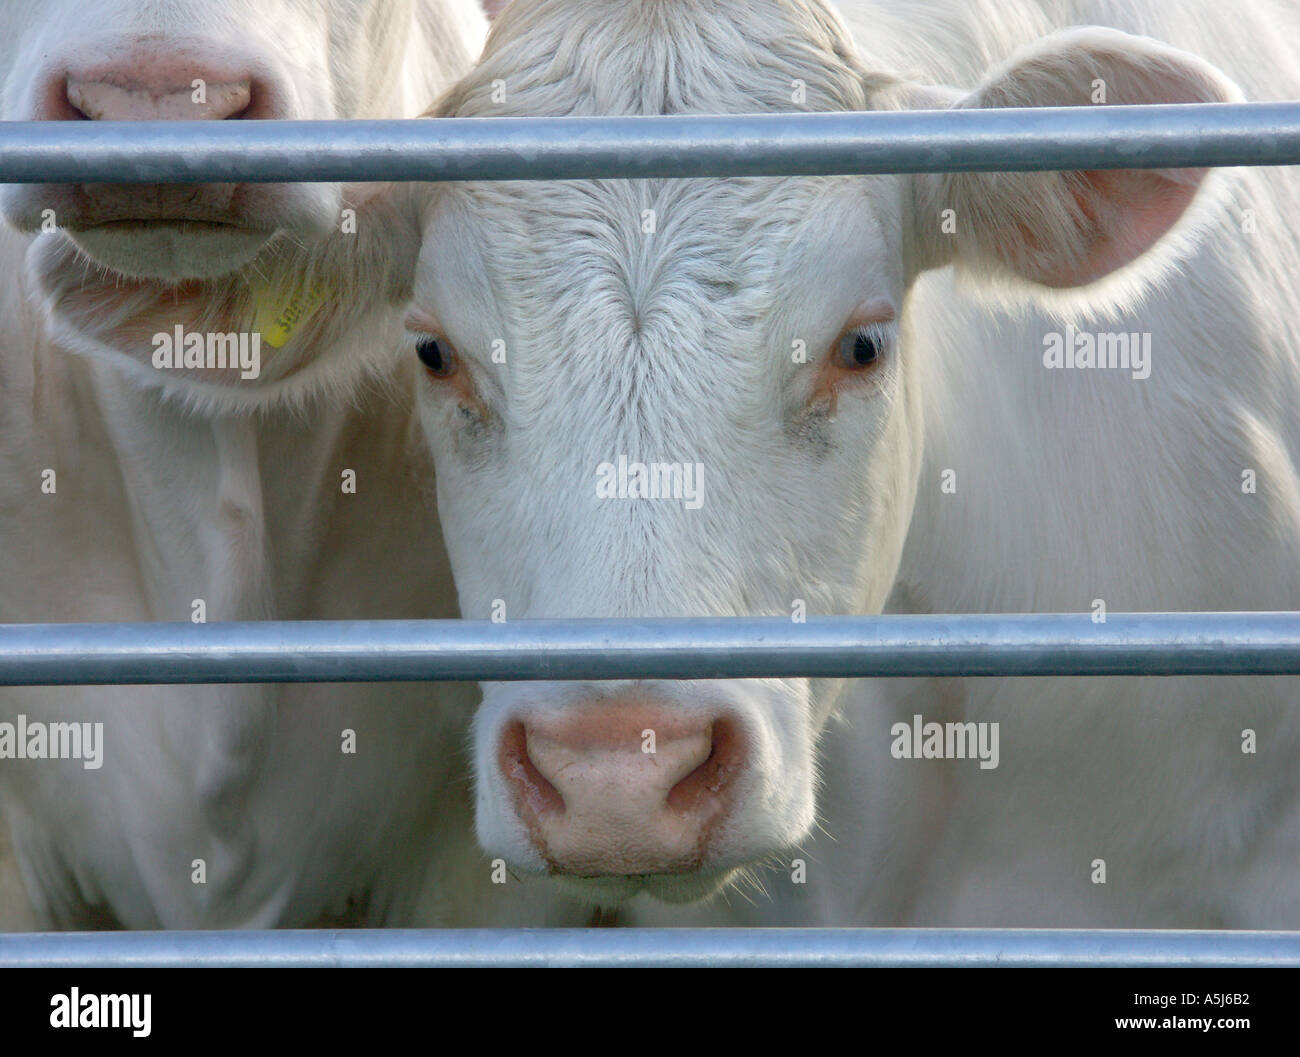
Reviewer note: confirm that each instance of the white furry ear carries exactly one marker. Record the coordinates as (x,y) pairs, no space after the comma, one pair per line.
(1066,229)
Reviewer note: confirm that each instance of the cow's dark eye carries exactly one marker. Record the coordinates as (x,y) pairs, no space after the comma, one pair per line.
(436,355)
(861,348)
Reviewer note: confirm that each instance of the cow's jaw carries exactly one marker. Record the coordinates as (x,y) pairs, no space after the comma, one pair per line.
(170,250)
(172,233)
(612,892)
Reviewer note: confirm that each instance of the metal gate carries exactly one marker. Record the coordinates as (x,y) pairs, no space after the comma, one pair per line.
(886,646)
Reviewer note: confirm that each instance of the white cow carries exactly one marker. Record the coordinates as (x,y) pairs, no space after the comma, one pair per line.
(137,488)
(725,397)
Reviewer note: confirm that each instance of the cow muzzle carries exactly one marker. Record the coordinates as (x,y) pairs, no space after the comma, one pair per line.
(165,231)
(628,788)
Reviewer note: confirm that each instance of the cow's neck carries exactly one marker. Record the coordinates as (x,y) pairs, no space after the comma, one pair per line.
(184,513)
(253,514)
(191,513)
(193,496)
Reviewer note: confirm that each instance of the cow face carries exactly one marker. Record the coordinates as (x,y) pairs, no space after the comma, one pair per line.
(700,398)
(225,295)
(132,60)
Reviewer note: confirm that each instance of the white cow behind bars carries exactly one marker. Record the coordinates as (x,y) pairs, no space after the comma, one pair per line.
(144,481)
(871,374)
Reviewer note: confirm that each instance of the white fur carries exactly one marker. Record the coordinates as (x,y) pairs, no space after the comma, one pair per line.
(201,488)
(1072,485)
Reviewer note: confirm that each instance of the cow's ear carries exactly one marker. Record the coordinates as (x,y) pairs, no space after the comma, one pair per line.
(492,8)
(1067,229)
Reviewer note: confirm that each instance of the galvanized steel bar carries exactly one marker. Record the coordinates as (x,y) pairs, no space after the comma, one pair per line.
(739,647)
(611,948)
(1093,137)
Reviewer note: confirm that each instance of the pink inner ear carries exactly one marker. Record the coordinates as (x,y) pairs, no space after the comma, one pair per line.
(492,8)
(1125,212)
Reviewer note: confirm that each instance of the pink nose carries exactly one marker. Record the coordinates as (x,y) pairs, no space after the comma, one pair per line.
(630,789)
(143,85)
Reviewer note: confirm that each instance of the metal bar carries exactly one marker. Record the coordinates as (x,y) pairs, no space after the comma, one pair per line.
(702,648)
(1092,137)
(611,948)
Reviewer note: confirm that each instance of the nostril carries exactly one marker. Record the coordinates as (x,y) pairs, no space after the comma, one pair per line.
(144,96)
(538,793)
(71,111)
(710,779)
(238,102)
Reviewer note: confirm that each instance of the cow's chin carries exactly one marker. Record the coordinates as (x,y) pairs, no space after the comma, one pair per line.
(170,251)
(174,233)
(612,891)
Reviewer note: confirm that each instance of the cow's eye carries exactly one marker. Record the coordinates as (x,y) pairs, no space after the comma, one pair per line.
(862,347)
(438,356)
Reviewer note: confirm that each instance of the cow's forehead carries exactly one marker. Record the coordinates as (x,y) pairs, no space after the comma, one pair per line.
(628,329)
(705,260)
(645,57)
(649,238)
(623,278)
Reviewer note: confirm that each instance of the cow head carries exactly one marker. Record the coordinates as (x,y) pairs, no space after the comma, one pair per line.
(117,262)
(699,398)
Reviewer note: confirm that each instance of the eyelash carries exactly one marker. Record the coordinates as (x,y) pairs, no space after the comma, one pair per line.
(849,348)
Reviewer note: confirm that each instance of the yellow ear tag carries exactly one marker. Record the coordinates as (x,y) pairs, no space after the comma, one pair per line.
(277,319)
